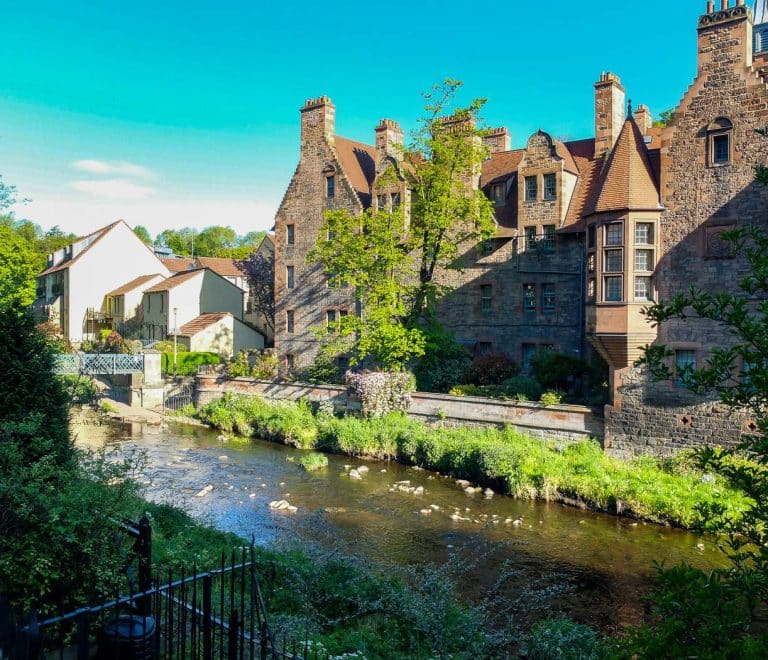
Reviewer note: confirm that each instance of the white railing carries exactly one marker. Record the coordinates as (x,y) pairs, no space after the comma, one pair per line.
(99,363)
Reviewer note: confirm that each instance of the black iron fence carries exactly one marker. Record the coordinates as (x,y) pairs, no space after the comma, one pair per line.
(219,613)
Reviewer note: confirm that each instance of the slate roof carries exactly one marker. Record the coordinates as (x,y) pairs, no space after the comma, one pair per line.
(174,280)
(133,284)
(200,323)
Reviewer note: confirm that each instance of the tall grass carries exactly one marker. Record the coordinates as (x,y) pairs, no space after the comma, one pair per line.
(665,492)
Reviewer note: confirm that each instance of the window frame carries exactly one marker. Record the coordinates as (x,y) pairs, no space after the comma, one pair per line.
(615,276)
(290,234)
(651,226)
(548,291)
(608,241)
(529,297)
(547,195)
(720,128)
(290,277)
(534,179)
(640,298)
(612,252)
(330,186)
(290,321)
(679,366)
(486,298)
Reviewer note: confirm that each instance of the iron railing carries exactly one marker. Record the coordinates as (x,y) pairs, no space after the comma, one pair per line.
(99,363)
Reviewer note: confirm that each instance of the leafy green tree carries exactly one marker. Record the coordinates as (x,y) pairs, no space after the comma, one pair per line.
(143,233)
(379,252)
(215,241)
(181,241)
(665,118)
(19,265)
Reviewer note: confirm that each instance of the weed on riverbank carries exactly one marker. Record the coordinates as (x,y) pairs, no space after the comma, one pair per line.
(580,473)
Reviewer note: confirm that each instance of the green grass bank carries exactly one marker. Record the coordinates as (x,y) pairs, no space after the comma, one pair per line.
(662,491)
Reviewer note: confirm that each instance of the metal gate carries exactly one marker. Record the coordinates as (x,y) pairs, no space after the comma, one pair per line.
(178,395)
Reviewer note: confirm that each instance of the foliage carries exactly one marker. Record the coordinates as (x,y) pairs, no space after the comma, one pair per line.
(761,174)
(81,390)
(53,335)
(738,373)
(502,458)
(491,369)
(213,241)
(260,273)
(565,640)
(19,266)
(551,398)
(378,252)
(522,388)
(444,361)
(695,614)
(665,118)
(143,233)
(313,461)
(239,366)
(109,341)
(324,368)
(265,366)
(187,362)
(382,392)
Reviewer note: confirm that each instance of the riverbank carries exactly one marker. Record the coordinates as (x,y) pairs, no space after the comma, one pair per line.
(504,460)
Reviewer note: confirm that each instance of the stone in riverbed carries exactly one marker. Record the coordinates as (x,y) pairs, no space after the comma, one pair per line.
(463,483)
(362,469)
(354,474)
(205,491)
(282,505)
(488,492)
(419,490)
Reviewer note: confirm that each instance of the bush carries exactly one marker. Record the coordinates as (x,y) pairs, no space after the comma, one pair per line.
(324,370)
(187,362)
(551,398)
(522,388)
(444,362)
(313,461)
(559,371)
(80,390)
(562,639)
(382,392)
(238,366)
(265,366)
(491,369)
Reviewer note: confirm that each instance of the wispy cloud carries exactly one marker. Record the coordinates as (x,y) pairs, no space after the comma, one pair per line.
(113,168)
(122,189)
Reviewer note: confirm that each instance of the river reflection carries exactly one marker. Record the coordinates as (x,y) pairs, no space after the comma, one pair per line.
(607,559)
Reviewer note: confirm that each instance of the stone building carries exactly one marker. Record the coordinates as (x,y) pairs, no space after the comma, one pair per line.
(589,231)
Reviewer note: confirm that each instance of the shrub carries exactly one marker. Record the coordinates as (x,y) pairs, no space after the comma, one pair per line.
(187,362)
(323,370)
(559,371)
(491,369)
(313,461)
(80,390)
(563,639)
(522,388)
(465,390)
(238,366)
(382,391)
(551,398)
(265,366)
(444,362)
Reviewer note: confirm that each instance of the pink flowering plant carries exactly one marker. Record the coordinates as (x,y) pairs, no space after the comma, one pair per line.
(381,392)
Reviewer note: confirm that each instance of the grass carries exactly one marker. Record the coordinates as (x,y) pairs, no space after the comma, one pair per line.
(313,461)
(666,492)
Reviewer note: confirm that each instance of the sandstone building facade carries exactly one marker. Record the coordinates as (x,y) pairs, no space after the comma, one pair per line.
(589,231)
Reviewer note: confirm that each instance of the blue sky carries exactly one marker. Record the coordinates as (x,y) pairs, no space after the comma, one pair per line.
(186,113)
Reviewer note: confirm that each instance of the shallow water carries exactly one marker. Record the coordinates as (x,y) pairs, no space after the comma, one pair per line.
(607,560)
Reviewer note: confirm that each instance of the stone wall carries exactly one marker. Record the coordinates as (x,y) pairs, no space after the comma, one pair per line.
(660,419)
(564,423)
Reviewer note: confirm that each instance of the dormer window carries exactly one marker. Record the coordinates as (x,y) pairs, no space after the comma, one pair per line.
(550,186)
(497,192)
(719,141)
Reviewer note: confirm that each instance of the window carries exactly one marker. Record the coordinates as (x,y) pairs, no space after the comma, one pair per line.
(644,233)
(289,277)
(614,261)
(614,234)
(395,201)
(719,134)
(497,192)
(613,285)
(487,247)
(643,288)
(290,235)
(343,313)
(162,301)
(530,238)
(592,288)
(330,316)
(381,202)
(531,188)
(550,186)
(529,297)
(330,186)
(290,361)
(548,297)
(549,238)
(644,260)
(527,351)
(289,320)
(591,237)
(483,348)
(685,361)
(591,263)
(486,297)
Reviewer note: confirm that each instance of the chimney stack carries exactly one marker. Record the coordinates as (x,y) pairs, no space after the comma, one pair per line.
(726,37)
(318,122)
(497,140)
(643,118)
(389,140)
(609,112)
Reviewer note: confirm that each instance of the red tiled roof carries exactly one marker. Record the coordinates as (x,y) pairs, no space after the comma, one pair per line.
(98,234)
(221,266)
(174,280)
(500,165)
(627,179)
(200,323)
(133,284)
(359,163)
(583,152)
(178,264)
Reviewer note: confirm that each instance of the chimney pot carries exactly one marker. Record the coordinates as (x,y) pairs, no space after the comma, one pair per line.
(711,7)
(723,5)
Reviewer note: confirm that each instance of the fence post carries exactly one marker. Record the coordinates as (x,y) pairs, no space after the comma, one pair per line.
(207,622)
(83,648)
(234,623)
(143,548)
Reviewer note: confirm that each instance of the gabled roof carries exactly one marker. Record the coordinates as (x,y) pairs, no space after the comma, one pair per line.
(359,163)
(222,266)
(133,284)
(95,237)
(178,264)
(627,179)
(200,323)
(174,281)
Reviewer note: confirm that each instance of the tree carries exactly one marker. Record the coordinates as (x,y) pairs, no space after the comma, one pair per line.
(738,373)
(143,233)
(377,253)
(665,118)
(215,241)
(19,266)
(260,273)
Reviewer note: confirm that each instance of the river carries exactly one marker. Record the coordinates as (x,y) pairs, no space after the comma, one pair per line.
(590,566)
